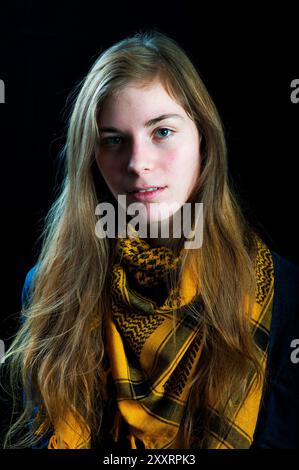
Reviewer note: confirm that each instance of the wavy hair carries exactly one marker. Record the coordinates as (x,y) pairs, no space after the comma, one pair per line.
(55,356)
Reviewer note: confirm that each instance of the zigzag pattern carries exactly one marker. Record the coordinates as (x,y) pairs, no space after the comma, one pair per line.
(178,379)
(162,393)
(264,272)
(147,264)
(136,328)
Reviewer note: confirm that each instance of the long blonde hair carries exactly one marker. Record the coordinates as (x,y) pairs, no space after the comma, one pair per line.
(56,356)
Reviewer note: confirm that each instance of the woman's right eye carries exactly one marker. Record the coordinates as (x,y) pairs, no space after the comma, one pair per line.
(112,141)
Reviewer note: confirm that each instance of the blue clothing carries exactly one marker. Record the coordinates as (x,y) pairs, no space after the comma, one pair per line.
(278,419)
(43,443)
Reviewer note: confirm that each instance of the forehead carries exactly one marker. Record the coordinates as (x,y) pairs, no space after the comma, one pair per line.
(144,100)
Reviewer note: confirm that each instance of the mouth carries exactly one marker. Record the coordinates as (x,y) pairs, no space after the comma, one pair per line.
(144,194)
(145,189)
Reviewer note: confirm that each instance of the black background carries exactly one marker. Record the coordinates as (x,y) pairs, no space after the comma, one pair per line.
(246,57)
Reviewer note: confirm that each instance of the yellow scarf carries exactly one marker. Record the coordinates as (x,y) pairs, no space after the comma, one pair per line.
(151,371)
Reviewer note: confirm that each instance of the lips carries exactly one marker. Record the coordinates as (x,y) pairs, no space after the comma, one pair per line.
(147,188)
(143,195)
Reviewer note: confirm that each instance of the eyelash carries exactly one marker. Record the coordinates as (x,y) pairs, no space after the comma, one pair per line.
(107,140)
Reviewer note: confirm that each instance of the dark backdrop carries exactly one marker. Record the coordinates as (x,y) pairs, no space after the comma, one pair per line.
(246,57)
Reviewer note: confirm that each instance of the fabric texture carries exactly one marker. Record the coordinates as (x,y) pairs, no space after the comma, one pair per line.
(277,426)
(152,368)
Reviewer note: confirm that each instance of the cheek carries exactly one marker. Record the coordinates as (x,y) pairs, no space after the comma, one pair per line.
(191,156)
(182,162)
(109,169)
(172,162)
(182,168)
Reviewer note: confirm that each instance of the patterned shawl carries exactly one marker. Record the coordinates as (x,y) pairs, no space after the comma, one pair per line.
(153,357)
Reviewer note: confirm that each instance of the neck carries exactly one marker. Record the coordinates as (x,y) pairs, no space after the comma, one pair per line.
(159,228)
(156,242)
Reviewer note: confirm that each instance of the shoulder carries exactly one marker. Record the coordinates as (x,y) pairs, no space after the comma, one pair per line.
(286,273)
(27,286)
(285,315)
(277,426)
(29,278)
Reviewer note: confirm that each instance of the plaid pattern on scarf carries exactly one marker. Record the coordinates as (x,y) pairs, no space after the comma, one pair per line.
(151,369)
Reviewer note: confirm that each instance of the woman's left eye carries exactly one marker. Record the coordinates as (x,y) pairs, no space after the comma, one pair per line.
(164,132)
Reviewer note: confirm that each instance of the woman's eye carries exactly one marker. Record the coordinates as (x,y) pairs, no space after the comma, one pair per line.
(164,132)
(111,141)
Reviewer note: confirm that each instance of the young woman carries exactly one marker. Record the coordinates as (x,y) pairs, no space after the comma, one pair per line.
(140,341)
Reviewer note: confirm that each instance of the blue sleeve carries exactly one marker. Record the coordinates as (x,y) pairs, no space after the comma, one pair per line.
(278,424)
(27,285)
(24,299)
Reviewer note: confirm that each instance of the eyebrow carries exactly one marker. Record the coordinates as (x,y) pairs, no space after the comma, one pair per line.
(149,123)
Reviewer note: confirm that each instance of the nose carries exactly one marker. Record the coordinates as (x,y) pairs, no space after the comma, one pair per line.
(140,159)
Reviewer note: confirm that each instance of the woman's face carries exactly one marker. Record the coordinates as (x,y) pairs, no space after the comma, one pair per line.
(148,140)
